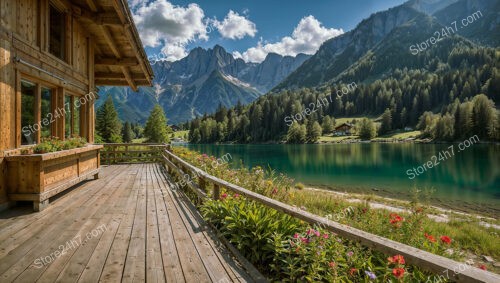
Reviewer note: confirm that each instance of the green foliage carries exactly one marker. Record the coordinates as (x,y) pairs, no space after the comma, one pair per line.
(327,125)
(55,144)
(386,125)
(314,131)
(108,125)
(366,129)
(296,133)
(156,129)
(127,133)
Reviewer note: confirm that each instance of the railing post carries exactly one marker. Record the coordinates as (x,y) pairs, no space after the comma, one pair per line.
(216,194)
(202,183)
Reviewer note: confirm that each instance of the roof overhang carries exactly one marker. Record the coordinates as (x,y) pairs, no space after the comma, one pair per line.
(120,59)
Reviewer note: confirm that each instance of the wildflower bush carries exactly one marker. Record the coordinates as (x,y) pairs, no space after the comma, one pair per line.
(286,249)
(277,250)
(55,144)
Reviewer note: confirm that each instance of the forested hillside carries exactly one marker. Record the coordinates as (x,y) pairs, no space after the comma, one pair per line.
(448,86)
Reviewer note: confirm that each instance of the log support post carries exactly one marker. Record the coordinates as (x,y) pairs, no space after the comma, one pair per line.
(216,194)
(40,205)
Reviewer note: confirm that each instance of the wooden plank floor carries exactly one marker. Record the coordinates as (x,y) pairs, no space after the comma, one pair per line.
(128,226)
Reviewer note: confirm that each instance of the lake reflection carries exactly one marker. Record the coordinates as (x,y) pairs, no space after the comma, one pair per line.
(470,178)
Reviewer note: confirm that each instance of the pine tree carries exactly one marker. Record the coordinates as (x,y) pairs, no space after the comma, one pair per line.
(127,133)
(108,124)
(386,125)
(296,133)
(313,131)
(156,129)
(483,115)
(327,125)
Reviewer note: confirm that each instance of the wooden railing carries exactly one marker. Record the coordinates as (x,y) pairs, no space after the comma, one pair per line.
(446,268)
(120,153)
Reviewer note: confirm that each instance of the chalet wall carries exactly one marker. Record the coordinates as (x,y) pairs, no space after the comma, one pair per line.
(24,44)
(3,189)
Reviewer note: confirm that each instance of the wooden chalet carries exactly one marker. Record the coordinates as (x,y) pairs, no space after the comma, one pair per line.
(344,129)
(53,54)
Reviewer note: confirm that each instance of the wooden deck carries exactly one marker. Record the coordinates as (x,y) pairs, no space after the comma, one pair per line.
(127,226)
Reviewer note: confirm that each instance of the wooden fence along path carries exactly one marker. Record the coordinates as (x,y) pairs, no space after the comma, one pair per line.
(428,261)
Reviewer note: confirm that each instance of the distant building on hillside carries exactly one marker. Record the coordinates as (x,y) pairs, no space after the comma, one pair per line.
(175,128)
(345,129)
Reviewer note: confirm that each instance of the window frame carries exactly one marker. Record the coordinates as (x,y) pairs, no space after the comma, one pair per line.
(66,46)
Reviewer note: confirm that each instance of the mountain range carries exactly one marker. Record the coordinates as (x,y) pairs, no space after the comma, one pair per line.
(199,83)
(374,49)
(383,40)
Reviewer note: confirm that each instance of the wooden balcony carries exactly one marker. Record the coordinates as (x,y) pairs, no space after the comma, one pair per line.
(127,226)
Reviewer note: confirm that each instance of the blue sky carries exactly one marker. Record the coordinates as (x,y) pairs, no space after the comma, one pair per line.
(247,28)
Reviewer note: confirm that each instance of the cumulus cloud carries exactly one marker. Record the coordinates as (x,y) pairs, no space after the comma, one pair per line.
(235,26)
(306,38)
(162,23)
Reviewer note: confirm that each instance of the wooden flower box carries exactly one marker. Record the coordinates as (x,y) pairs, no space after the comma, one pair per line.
(37,177)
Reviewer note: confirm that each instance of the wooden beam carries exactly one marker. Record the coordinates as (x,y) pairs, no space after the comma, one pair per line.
(120,82)
(97,18)
(109,75)
(128,77)
(92,5)
(117,62)
(110,41)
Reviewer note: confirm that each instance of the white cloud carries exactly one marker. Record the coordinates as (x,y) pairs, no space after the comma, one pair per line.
(161,23)
(235,26)
(306,38)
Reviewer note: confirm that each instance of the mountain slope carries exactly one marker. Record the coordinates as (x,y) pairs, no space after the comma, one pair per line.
(485,29)
(337,54)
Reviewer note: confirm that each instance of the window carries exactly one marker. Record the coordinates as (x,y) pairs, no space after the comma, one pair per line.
(68,113)
(28,125)
(46,114)
(76,119)
(57,32)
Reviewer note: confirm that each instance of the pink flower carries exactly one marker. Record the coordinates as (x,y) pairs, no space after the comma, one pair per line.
(296,236)
(236,195)
(351,253)
(331,264)
(304,240)
(325,236)
(223,196)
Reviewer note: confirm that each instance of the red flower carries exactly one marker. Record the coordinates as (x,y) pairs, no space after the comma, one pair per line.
(483,267)
(331,264)
(275,191)
(398,272)
(430,238)
(296,236)
(396,219)
(352,271)
(223,196)
(446,240)
(397,259)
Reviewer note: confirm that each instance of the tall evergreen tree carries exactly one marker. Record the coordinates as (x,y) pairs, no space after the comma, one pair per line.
(327,125)
(386,125)
(296,133)
(156,129)
(127,134)
(108,124)
(313,131)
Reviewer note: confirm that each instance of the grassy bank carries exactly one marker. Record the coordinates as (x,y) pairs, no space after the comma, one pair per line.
(459,240)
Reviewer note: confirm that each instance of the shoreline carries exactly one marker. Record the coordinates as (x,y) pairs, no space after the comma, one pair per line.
(400,205)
